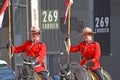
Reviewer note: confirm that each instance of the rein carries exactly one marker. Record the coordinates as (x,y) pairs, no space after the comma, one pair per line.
(66,74)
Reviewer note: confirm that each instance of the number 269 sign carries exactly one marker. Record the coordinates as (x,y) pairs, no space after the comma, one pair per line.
(50,19)
(102,24)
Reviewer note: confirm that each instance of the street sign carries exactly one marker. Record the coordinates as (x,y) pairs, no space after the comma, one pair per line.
(50,19)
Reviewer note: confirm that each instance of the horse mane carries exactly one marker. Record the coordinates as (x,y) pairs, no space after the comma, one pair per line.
(80,72)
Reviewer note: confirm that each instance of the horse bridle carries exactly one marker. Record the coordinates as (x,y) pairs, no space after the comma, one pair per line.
(66,74)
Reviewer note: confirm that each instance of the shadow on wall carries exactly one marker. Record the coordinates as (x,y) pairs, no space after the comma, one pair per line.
(75,25)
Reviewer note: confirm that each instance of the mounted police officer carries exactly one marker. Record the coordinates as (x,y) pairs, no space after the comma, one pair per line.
(34,48)
(90,51)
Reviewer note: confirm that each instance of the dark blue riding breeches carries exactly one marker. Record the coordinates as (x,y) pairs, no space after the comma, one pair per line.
(43,74)
(99,74)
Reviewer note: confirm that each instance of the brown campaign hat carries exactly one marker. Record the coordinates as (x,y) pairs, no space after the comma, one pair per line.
(35,30)
(87,30)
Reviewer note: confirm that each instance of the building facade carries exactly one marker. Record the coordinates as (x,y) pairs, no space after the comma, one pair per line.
(82,14)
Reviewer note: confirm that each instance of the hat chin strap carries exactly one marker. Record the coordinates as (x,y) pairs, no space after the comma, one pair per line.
(33,40)
(36,39)
(88,39)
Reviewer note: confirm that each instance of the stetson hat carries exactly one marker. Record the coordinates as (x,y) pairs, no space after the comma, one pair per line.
(35,30)
(87,30)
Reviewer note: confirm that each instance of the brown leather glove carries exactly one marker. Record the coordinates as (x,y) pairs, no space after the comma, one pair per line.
(9,43)
(67,37)
(89,64)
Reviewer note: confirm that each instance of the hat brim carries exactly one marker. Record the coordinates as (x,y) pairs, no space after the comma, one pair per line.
(35,32)
(82,34)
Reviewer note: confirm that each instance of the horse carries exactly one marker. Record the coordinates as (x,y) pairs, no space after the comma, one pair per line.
(74,71)
(27,71)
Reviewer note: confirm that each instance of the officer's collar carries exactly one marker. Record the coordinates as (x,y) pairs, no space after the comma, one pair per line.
(89,41)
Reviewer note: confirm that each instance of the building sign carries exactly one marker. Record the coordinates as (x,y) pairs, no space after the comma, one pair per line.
(102,24)
(50,19)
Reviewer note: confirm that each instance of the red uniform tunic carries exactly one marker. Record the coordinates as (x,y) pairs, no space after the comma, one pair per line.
(33,50)
(89,51)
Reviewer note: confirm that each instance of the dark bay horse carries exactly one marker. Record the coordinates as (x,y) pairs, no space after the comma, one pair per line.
(74,71)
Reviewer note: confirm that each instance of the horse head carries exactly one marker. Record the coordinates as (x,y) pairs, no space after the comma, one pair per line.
(73,71)
(65,72)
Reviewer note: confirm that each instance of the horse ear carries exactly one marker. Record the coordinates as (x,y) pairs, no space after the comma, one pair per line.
(68,66)
(59,66)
